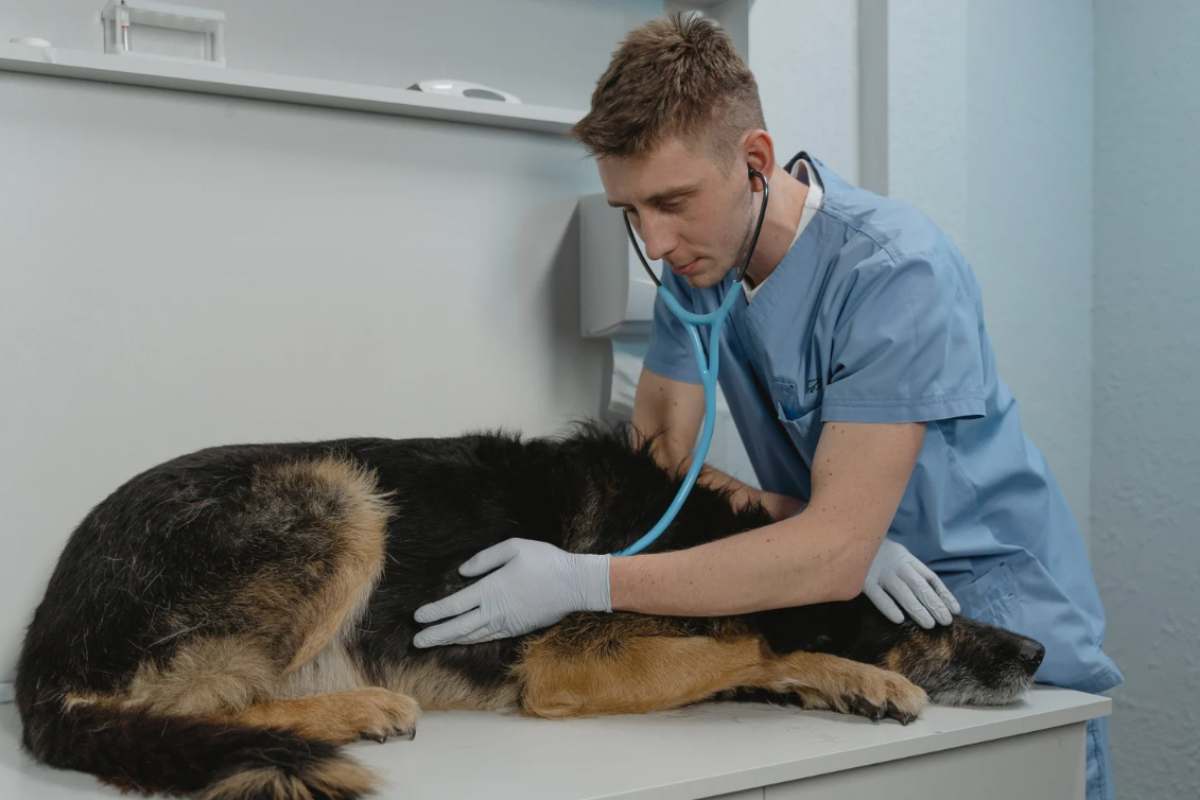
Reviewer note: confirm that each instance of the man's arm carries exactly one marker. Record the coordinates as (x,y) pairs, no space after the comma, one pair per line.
(859,474)
(674,410)
(823,553)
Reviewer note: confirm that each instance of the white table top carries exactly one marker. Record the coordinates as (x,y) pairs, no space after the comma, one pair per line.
(694,752)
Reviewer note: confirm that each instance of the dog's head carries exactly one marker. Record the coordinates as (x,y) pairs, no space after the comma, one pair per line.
(967,663)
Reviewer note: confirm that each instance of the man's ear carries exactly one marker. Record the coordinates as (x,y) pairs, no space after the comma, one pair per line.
(758,150)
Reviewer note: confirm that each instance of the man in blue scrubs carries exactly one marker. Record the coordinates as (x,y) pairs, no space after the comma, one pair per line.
(859,374)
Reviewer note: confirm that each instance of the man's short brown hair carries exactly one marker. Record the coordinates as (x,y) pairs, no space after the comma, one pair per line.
(677,76)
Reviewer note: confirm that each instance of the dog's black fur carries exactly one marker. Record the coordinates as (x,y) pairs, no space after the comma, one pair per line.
(174,556)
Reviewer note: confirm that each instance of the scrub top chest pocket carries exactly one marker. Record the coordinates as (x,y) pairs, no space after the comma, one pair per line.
(800,414)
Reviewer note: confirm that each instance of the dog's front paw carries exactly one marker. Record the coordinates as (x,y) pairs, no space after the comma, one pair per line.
(878,694)
(850,687)
(378,714)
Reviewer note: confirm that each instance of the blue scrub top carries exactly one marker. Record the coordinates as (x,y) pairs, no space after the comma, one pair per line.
(874,316)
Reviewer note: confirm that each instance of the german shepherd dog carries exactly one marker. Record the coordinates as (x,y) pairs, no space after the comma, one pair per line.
(223,622)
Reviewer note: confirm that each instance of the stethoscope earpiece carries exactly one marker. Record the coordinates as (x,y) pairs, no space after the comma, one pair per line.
(756,174)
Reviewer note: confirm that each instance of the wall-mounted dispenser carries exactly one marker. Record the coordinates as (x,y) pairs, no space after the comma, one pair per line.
(616,296)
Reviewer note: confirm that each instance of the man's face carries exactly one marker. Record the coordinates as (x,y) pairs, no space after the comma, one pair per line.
(687,210)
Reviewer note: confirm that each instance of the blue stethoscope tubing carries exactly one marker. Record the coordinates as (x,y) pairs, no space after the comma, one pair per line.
(708,368)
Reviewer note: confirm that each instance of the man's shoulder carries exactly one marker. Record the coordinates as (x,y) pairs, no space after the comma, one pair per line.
(870,223)
(880,235)
(891,248)
(888,226)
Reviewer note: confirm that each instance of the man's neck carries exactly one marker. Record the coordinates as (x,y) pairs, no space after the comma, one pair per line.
(784,209)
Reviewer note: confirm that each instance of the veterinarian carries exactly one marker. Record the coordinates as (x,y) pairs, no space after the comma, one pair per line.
(860,376)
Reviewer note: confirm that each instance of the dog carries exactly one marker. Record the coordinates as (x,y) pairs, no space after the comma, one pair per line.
(223,622)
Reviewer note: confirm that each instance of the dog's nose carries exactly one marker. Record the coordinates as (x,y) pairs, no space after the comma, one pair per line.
(1032,654)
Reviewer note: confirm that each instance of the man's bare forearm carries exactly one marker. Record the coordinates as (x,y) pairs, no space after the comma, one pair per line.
(820,554)
(796,561)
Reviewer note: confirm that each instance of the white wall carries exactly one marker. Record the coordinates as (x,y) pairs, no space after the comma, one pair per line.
(1146,481)
(804,55)
(184,270)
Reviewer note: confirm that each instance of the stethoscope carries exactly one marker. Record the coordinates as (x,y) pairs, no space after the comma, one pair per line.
(708,370)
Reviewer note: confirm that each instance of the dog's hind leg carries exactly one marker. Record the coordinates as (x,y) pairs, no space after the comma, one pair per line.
(639,673)
(245,683)
(321,692)
(284,662)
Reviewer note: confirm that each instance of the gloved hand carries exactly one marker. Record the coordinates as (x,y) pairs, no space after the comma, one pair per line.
(534,584)
(896,576)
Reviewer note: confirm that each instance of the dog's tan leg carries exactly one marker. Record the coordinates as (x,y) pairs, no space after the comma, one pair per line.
(649,673)
(340,717)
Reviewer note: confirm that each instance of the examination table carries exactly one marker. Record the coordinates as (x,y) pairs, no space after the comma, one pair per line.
(733,751)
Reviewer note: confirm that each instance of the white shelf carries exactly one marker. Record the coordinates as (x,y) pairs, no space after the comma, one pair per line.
(211,79)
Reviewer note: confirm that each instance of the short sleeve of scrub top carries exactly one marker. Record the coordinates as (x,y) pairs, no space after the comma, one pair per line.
(906,342)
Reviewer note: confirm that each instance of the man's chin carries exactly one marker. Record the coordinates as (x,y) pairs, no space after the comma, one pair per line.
(704,279)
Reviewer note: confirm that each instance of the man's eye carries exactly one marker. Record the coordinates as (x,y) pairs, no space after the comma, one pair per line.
(670,208)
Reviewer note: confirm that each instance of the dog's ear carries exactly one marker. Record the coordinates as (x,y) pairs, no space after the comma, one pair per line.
(639,440)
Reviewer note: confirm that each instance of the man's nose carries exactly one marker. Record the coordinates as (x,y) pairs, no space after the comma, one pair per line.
(658,238)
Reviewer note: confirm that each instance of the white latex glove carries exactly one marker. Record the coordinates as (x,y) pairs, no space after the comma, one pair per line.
(534,584)
(896,576)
